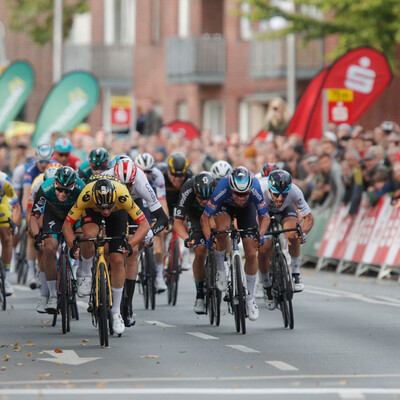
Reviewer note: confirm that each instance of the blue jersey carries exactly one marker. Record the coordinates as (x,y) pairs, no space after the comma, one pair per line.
(223,195)
(31,172)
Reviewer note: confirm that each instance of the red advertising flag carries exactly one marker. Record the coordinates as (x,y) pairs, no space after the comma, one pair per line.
(190,131)
(364,70)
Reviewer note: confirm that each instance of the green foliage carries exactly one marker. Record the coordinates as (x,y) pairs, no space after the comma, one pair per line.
(35,17)
(374,23)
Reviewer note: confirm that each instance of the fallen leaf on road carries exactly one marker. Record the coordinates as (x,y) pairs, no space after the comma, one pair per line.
(344,382)
(21,327)
(85,340)
(17,349)
(249,366)
(19,364)
(28,354)
(101,385)
(177,373)
(3,368)
(95,372)
(150,356)
(197,364)
(58,351)
(235,367)
(67,372)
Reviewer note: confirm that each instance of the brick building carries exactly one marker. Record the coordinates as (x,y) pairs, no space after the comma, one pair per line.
(196,59)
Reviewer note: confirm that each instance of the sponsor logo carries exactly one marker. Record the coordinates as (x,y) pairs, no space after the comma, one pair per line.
(87,219)
(220,194)
(211,205)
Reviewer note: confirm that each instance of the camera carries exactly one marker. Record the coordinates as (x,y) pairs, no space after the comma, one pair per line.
(387,126)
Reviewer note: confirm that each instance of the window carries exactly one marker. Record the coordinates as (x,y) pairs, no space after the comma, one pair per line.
(184,18)
(81,30)
(213,119)
(183,111)
(246,32)
(119,21)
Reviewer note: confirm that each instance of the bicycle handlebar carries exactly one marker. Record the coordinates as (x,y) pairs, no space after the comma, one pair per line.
(277,232)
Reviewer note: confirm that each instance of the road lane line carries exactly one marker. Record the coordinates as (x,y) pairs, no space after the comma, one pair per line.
(282,365)
(351,396)
(244,349)
(161,324)
(313,291)
(202,335)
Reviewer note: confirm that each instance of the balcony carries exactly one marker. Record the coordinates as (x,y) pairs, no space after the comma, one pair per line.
(199,60)
(268,58)
(111,64)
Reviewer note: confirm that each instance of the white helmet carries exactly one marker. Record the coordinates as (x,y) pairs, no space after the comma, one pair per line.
(241,180)
(125,171)
(220,169)
(145,161)
(44,153)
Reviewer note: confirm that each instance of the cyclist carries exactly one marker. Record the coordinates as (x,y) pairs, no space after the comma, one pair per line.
(62,153)
(193,198)
(54,199)
(95,165)
(280,195)
(220,169)
(140,189)
(237,195)
(105,197)
(157,181)
(8,198)
(177,173)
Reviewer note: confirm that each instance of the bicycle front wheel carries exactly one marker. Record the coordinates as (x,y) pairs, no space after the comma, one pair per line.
(240,296)
(143,279)
(287,292)
(63,293)
(3,301)
(173,278)
(102,311)
(151,276)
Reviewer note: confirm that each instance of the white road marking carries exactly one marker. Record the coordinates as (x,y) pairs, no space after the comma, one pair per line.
(67,357)
(242,348)
(387,298)
(202,335)
(351,396)
(282,365)
(158,323)
(203,391)
(321,292)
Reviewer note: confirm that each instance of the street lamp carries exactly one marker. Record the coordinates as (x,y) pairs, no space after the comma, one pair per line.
(57,39)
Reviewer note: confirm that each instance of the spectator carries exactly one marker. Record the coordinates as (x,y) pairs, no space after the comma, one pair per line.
(277,118)
(152,122)
(380,186)
(352,157)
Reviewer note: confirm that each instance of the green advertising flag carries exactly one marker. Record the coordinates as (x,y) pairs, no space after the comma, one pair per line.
(16,84)
(68,104)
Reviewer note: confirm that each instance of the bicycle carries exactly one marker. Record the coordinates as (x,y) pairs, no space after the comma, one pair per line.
(3,300)
(173,270)
(21,268)
(237,283)
(147,276)
(282,285)
(100,299)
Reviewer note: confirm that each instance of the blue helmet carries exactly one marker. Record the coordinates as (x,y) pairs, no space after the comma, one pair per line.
(63,145)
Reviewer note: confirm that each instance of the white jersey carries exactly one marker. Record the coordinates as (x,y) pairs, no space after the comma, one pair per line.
(295,196)
(18,177)
(157,181)
(141,189)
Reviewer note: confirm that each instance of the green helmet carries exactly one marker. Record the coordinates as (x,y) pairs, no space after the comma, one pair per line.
(65,177)
(98,158)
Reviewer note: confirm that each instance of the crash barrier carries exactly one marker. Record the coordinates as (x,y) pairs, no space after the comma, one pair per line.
(370,241)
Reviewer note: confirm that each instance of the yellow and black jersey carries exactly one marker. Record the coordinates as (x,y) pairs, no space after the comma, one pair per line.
(123,201)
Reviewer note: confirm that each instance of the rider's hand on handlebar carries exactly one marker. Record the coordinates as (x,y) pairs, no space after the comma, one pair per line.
(74,252)
(38,241)
(189,243)
(302,238)
(210,243)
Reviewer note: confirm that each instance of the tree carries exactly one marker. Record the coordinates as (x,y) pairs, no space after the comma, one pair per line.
(36,17)
(374,23)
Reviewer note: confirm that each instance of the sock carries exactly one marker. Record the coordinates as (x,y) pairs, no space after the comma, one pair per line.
(14,258)
(31,268)
(296,265)
(53,288)
(6,271)
(86,267)
(265,279)
(219,259)
(44,288)
(199,290)
(116,297)
(74,267)
(185,256)
(251,281)
(160,270)
(130,290)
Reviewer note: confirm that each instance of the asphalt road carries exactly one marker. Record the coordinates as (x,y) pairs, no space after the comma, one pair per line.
(345,345)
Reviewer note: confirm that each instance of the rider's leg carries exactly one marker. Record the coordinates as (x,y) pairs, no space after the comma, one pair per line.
(223,223)
(159,251)
(49,264)
(5,238)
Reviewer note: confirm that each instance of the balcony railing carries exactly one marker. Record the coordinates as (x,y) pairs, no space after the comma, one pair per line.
(197,59)
(111,64)
(268,58)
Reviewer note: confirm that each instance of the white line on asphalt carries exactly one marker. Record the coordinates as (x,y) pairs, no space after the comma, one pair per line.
(351,396)
(185,391)
(202,335)
(321,292)
(282,365)
(158,323)
(242,348)
(387,298)
(22,288)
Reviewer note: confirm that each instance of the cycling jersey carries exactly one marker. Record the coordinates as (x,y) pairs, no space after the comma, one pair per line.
(7,190)
(123,201)
(295,196)
(37,182)
(172,192)
(46,196)
(157,182)
(31,172)
(223,195)
(187,203)
(73,161)
(84,171)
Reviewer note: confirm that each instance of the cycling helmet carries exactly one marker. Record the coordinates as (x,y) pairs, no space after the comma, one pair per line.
(145,161)
(177,164)
(49,173)
(118,158)
(279,181)
(268,168)
(220,169)
(54,164)
(98,158)
(65,177)
(104,193)
(63,145)
(44,153)
(241,180)
(125,171)
(203,184)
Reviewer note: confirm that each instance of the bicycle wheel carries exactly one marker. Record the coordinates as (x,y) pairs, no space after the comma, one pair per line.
(241,295)
(143,280)
(287,291)
(3,301)
(63,294)
(176,272)
(151,275)
(102,310)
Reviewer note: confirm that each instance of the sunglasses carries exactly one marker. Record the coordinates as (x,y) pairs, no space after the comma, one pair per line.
(237,194)
(276,195)
(44,162)
(106,208)
(97,168)
(65,190)
(63,154)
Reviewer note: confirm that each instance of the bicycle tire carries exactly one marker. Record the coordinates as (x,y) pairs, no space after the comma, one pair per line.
(241,307)
(151,275)
(22,265)
(102,311)
(3,300)
(144,281)
(176,271)
(63,294)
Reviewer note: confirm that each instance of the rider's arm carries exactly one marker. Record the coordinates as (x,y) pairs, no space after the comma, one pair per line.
(164,206)
(180,228)
(264,224)
(34,225)
(161,220)
(205,225)
(68,232)
(308,223)
(16,216)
